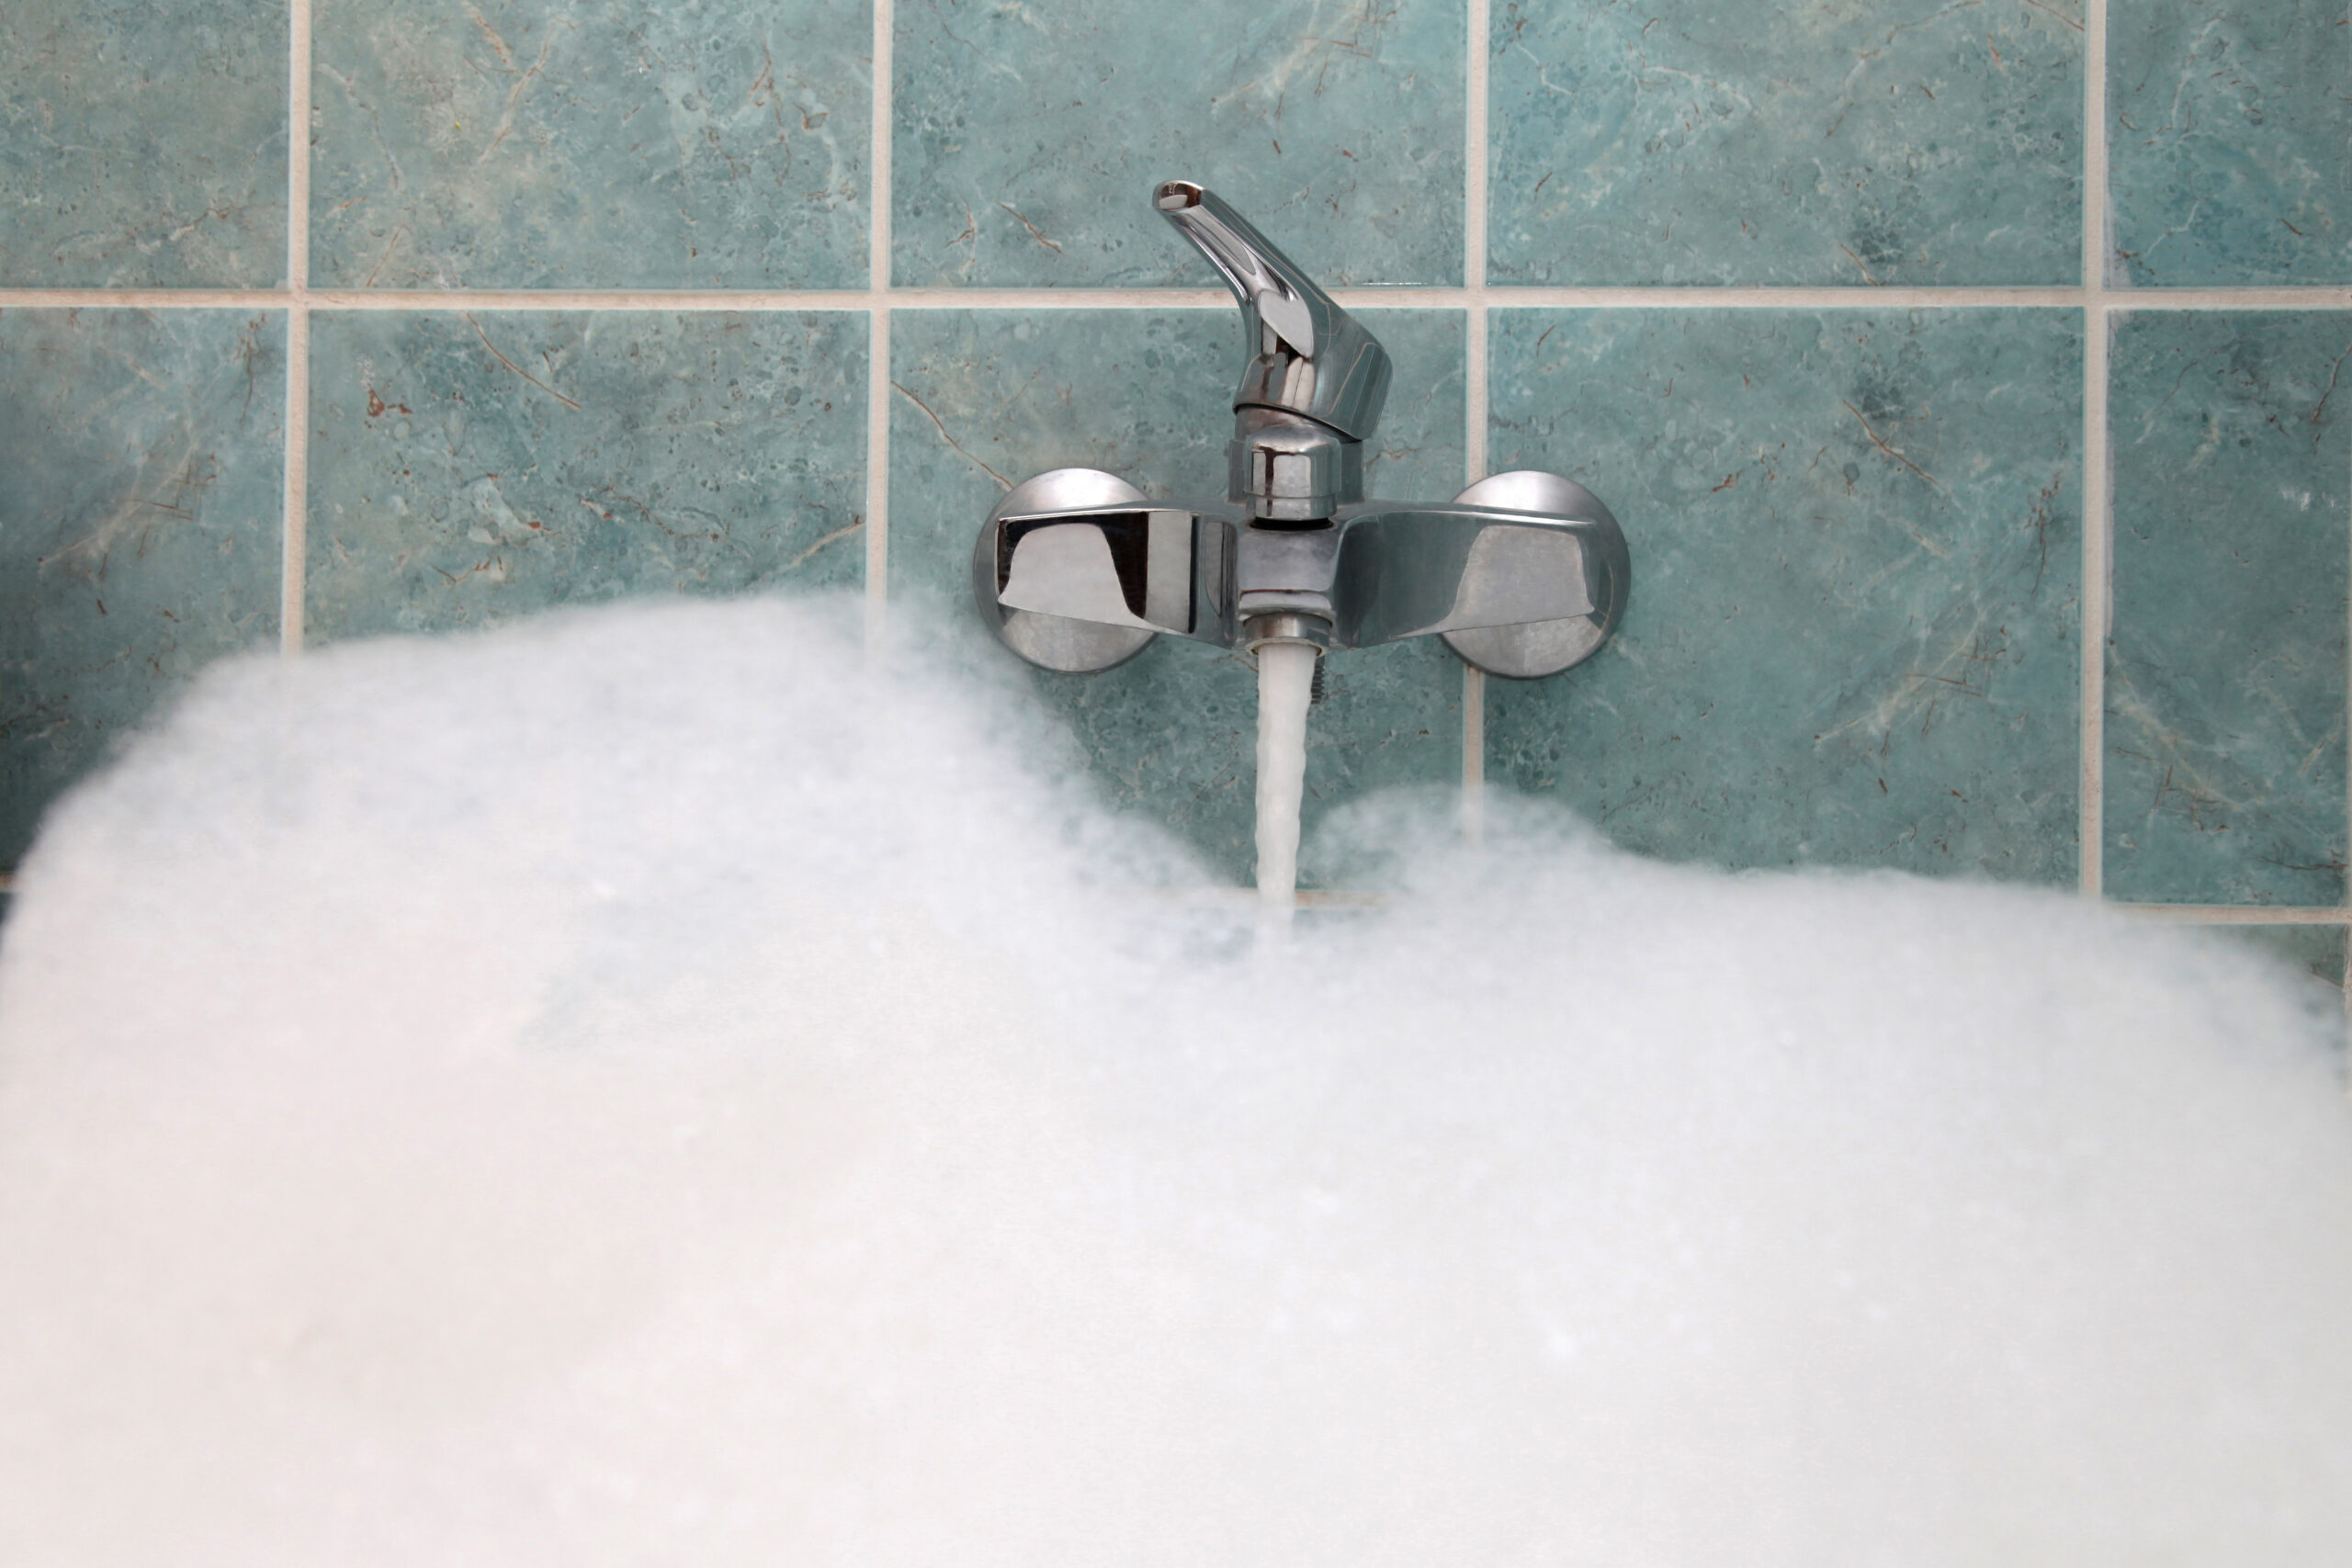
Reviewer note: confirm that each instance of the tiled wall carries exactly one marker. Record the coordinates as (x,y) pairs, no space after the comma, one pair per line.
(1908,340)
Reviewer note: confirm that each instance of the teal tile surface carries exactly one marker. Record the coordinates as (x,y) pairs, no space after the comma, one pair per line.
(2310,953)
(142,142)
(1855,550)
(140,527)
(1785,142)
(466,468)
(591,144)
(1029,137)
(2229,143)
(984,399)
(2225,667)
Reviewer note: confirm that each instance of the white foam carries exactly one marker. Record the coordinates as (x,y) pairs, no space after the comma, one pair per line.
(639,1088)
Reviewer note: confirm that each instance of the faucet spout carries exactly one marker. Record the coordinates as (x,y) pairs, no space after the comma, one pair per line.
(1308,357)
(1523,574)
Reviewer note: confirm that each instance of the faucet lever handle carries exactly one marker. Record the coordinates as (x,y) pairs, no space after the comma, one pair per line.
(1138,565)
(1524,574)
(1308,357)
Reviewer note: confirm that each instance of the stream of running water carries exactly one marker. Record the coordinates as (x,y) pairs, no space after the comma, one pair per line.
(1286,683)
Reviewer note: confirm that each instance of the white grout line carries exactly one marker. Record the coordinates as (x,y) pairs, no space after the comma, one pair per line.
(1804,298)
(2343,957)
(2234,914)
(2098,603)
(2098,524)
(877,317)
(1496,297)
(1473,386)
(295,456)
(293,531)
(1473,248)
(1474,297)
(1474,753)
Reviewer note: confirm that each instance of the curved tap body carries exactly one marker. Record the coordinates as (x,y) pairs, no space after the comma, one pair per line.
(1523,574)
(1307,355)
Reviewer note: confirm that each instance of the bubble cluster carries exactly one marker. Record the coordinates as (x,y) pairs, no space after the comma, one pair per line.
(652,1087)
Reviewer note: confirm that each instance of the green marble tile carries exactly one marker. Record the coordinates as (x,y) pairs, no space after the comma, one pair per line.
(143,143)
(140,527)
(1856,549)
(2313,954)
(1029,136)
(2225,673)
(2229,143)
(591,144)
(983,399)
(1791,142)
(466,468)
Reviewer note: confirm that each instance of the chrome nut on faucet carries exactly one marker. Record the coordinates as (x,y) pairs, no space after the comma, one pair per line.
(1523,574)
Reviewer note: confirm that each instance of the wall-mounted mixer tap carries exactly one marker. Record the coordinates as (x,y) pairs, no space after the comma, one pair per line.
(1523,574)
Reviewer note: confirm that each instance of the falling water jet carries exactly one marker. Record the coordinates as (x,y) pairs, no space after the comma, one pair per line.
(1524,573)
(1286,683)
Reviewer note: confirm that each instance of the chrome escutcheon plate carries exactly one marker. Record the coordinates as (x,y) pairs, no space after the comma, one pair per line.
(1054,642)
(1545,648)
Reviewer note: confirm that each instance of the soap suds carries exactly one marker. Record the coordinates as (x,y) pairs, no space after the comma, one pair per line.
(643,1087)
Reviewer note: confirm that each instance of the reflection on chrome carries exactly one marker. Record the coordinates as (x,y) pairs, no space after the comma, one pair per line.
(1523,574)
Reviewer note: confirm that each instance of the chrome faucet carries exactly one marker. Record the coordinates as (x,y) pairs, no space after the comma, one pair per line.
(1523,574)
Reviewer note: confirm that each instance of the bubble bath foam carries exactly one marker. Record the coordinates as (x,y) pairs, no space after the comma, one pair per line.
(649,1087)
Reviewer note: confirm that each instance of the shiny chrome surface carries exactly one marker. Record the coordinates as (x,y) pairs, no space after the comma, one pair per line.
(1312,631)
(1308,357)
(1139,566)
(1287,469)
(1412,570)
(1523,574)
(1075,646)
(1541,646)
(1284,572)
(1548,644)
(1379,572)
(1313,388)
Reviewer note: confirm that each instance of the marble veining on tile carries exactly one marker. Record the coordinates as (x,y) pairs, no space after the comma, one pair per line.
(470,467)
(2313,954)
(2225,667)
(1785,142)
(139,525)
(983,399)
(1029,137)
(2229,144)
(142,144)
(591,144)
(1854,537)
